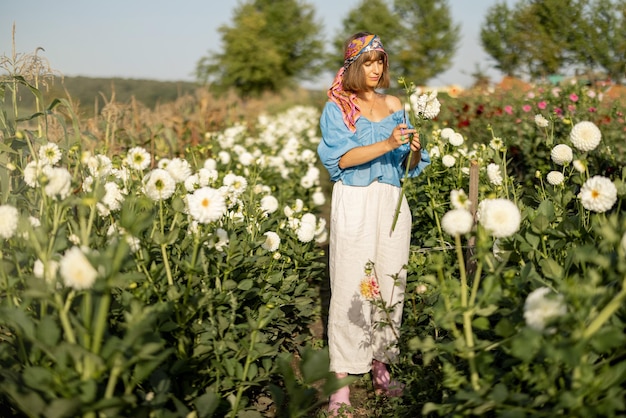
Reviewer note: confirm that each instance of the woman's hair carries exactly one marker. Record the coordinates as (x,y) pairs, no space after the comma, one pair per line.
(354,76)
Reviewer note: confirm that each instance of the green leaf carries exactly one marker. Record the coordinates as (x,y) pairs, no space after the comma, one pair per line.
(481,323)
(206,404)
(551,269)
(533,240)
(526,344)
(505,328)
(245,284)
(607,339)
(487,310)
(540,224)
(314,365)
(48,332)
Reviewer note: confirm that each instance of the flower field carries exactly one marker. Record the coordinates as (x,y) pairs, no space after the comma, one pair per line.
(157,276)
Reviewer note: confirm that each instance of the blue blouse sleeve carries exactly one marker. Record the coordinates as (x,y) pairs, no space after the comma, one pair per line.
(337,139)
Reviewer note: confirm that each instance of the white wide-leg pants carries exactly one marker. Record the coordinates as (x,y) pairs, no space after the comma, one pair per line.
(360,231)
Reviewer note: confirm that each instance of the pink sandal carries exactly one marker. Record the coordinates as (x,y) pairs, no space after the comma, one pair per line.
(383,384)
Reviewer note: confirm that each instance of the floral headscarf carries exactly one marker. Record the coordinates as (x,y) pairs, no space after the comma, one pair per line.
(346,100)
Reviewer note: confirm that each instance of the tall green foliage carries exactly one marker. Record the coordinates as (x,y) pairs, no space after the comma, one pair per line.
(369,15)
(540,38)
(603,40)
(428,40)
(419,35)
(497,36)
(268,46)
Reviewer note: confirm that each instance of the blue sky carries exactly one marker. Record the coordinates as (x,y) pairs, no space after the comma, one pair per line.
(163,39)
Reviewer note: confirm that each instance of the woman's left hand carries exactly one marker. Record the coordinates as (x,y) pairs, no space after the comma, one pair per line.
(415,143)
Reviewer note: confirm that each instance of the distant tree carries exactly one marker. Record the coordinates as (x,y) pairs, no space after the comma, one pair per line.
(419,35)
(498,38)
(429,39)
(548,32)
(271,44)
(602,39)
(367,16)
(543,37)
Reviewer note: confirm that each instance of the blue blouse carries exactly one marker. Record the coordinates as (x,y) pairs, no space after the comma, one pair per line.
(337,139)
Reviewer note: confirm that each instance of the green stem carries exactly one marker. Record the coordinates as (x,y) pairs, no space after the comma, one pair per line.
(471,355)
(63,310)
(166,262)
(404,181)
(459,254)
(447,303)
(115,373)
(246,368)
(437,221)
(87,314)
(101,322)
(194,257)
(476,283)
(606,313)
(385,306)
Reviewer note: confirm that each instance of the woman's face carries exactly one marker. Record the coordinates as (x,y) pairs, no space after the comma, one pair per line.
(373,71)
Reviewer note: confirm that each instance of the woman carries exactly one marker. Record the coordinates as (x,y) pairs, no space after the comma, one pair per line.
(365,145)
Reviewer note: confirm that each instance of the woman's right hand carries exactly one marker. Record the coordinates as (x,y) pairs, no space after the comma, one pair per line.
(400,135)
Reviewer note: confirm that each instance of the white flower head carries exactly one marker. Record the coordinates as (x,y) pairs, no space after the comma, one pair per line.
(32,171)
(457,222)
(306,232)
(50,153)
(446,133)
(434,152)
(555,178)
(459,200)
(58,183)
(425,105)
(562,154)
(76,270)
(456,139)
(269,204)
(206,205)
(496,144)
(99,165)
(9,216)
(210,164)
(224,157)
(541,121)
(138,158)
(494,174)
(541,306)
(448,160)
(246,158)
(501,217)
(598,194)
(192,182)
(113,196)
(159,184)
(179,169)
(579,165)
(236,184)
(272,241)
(318,198)
(163,163)
(585,136)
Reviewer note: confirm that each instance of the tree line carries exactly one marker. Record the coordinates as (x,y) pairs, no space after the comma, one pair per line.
(273,44)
